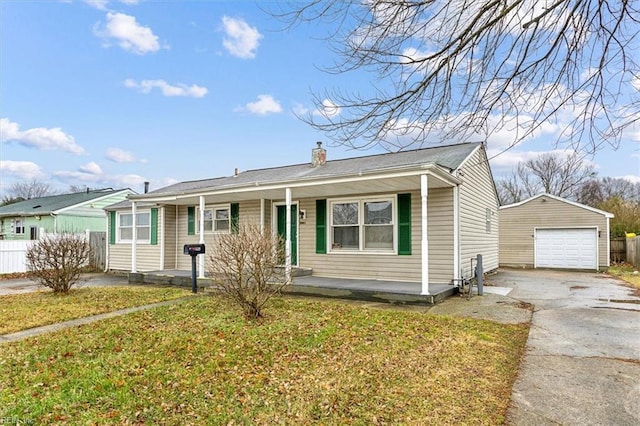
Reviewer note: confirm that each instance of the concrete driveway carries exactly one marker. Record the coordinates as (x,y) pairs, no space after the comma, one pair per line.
(582,364)
(23,285)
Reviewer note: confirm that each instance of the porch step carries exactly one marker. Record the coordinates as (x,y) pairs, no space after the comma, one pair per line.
(296,271)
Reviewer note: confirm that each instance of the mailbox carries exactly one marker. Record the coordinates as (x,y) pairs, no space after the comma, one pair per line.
(194,249)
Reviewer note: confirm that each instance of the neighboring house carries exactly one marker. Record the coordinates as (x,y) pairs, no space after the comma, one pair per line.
(354,218)
(546,231)
(78,212)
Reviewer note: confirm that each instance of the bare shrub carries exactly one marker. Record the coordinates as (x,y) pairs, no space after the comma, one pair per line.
(57,261)
(244,266)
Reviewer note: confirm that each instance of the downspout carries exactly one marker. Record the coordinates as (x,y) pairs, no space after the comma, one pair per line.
(287,225)
(201,232)
(134,238)
(456,233)
(424,192)
(262,214)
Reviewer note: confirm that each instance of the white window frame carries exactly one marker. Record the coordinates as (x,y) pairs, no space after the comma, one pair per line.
(214,228)
(393,199)
(119,239)
(19,226)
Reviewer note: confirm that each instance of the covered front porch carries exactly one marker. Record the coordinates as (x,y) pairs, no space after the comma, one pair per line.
(398,292)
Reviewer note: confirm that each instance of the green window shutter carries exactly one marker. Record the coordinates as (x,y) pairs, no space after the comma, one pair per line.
(154,226)
(112,227)
(235,217)
(404,224)
(321,226)
(191,220)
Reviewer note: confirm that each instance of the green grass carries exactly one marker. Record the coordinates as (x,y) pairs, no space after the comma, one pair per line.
(308,362)
(625,272)
(28,310)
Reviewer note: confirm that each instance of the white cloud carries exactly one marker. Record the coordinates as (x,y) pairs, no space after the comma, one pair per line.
(26,170)
(265,104)
(635,82)
(118,155)
(329,109)
(92,168)
(145,86)
(241,39)
(38,137)
(129,35)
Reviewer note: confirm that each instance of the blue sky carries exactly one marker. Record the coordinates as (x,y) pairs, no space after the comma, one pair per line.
(115,93)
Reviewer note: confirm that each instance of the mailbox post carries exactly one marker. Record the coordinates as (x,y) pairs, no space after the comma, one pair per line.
(193,250)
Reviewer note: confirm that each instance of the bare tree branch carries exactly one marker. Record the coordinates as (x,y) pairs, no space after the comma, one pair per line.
(452,69)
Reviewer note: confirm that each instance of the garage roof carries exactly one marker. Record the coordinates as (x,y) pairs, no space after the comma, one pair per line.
(564,200)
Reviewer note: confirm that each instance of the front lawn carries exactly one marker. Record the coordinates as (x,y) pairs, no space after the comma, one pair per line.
(308,362)
(28,310)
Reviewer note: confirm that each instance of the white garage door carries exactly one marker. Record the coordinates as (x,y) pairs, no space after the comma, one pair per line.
(567,248)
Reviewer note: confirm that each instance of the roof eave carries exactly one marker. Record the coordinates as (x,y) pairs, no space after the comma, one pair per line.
(428,168)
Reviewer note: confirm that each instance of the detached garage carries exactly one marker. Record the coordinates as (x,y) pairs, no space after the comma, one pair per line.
(546,231)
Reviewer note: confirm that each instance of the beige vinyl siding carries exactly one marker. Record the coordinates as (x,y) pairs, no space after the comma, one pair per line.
(517,226)
(477,194)
(249,214)
(147,258)
(385,266)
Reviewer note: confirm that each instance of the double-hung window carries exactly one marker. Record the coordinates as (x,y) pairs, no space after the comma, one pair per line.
(363,225)
(143,227)
(18,227)
(216,219)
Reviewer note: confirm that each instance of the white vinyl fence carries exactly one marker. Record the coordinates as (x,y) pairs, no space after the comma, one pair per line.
(13,254)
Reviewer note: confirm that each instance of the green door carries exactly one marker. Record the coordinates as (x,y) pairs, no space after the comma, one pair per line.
(282,226)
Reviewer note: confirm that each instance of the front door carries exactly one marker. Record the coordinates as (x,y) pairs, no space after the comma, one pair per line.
(282,226)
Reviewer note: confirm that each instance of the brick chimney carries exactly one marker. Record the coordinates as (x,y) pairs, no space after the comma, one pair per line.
(318,155)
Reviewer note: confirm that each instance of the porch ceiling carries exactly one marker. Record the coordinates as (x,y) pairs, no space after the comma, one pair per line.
(319,190)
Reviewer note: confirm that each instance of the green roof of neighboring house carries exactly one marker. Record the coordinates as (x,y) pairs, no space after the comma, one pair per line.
(55,203)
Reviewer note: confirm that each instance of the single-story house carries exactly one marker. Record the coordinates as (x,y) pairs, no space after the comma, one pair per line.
(546,231)
(411,216)
(75,213)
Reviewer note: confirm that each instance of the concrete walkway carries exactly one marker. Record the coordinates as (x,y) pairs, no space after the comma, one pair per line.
(36,331)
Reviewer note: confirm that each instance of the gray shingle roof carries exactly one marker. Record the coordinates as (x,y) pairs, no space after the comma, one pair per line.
(449,156)
(52,203)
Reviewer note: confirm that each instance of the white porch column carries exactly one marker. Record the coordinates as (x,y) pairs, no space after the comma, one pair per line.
(424,192)
(134,237)
(201,233)
(287,244)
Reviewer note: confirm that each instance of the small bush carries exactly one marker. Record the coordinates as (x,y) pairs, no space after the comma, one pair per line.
(57,261)
(244,266)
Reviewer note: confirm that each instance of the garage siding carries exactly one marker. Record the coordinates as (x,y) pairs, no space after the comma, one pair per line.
(518,225)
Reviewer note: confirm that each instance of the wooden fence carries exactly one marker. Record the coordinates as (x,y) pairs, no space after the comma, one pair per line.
(633,251)
(618,250)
